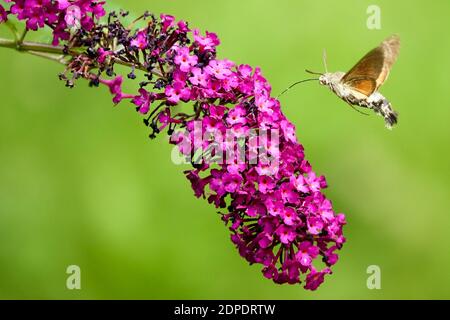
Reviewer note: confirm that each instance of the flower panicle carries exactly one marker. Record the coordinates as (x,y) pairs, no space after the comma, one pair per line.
(277,214)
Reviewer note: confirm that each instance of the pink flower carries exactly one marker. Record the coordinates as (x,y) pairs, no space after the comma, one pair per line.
(315,279)
(177,92)
(182,27)
(179,76)
(212,125)
(197,183)
(245,70)
(3,14)
(290,273)
(300,184)
(143,101)
(73,16)
(97,8)
(288,193)
(114,85)
(256,210)
(237,116)
(103,55)
(236,168)
(183,141)
(265,241)
(232,182)
(275,208)
(218,69)
(63,4)
(306,253)
(230,83)
(286,234)
(168,21)
(217,112)
(165,119)
(185,60)
(140,41)
(266,104)
(331,257)
(315,225)
(206,43)
(217,185)
(315,183)
(199,78)
(289,131)
(266,184)
(290,216)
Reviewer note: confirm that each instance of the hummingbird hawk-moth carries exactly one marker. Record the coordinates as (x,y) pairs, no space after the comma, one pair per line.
(359,87)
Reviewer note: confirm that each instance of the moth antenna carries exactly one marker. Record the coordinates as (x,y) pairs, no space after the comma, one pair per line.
(296,84)
(325,58)
(313,72)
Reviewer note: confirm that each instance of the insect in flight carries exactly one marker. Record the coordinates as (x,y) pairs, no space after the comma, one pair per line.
(359,87)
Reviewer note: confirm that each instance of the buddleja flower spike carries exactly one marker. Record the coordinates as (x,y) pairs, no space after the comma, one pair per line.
(273,205)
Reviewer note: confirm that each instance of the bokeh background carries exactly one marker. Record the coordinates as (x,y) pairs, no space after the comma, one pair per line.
(81,184)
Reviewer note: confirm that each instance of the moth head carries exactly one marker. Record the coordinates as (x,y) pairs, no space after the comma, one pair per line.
(325,79)
(328,79)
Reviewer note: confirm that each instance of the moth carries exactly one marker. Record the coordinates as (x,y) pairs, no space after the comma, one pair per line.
(359,87)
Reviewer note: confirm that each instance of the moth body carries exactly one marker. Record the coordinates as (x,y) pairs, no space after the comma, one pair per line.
(376,101)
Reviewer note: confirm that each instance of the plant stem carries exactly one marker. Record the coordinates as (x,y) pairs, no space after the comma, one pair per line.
(22,38)
(31,46)
(37,47)
(49,56)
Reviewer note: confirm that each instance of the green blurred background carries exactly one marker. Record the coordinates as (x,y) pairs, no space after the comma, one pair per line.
(81,184)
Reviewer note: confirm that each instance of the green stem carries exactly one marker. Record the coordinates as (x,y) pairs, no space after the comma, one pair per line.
(22,37)
(32,46)
(7,43)
(57,58)
(37,47)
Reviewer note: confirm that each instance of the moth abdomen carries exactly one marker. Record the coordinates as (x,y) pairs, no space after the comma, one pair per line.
(391,118)
(389,114)
(383,107)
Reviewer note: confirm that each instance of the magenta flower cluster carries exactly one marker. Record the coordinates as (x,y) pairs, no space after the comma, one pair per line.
(59,15)
(278,215)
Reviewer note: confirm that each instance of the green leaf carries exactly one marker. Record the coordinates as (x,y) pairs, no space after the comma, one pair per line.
(12,27)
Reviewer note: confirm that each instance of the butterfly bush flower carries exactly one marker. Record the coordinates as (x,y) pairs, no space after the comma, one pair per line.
(140,42)
(73,16)
(59,15)
(3,14)
(274,206)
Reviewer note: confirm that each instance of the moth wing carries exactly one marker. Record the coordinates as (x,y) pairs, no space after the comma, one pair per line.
(369,74)
(391,49)
(363,85)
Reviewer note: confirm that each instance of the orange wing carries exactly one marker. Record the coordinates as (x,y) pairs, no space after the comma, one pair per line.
(369,74)
(366,86)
